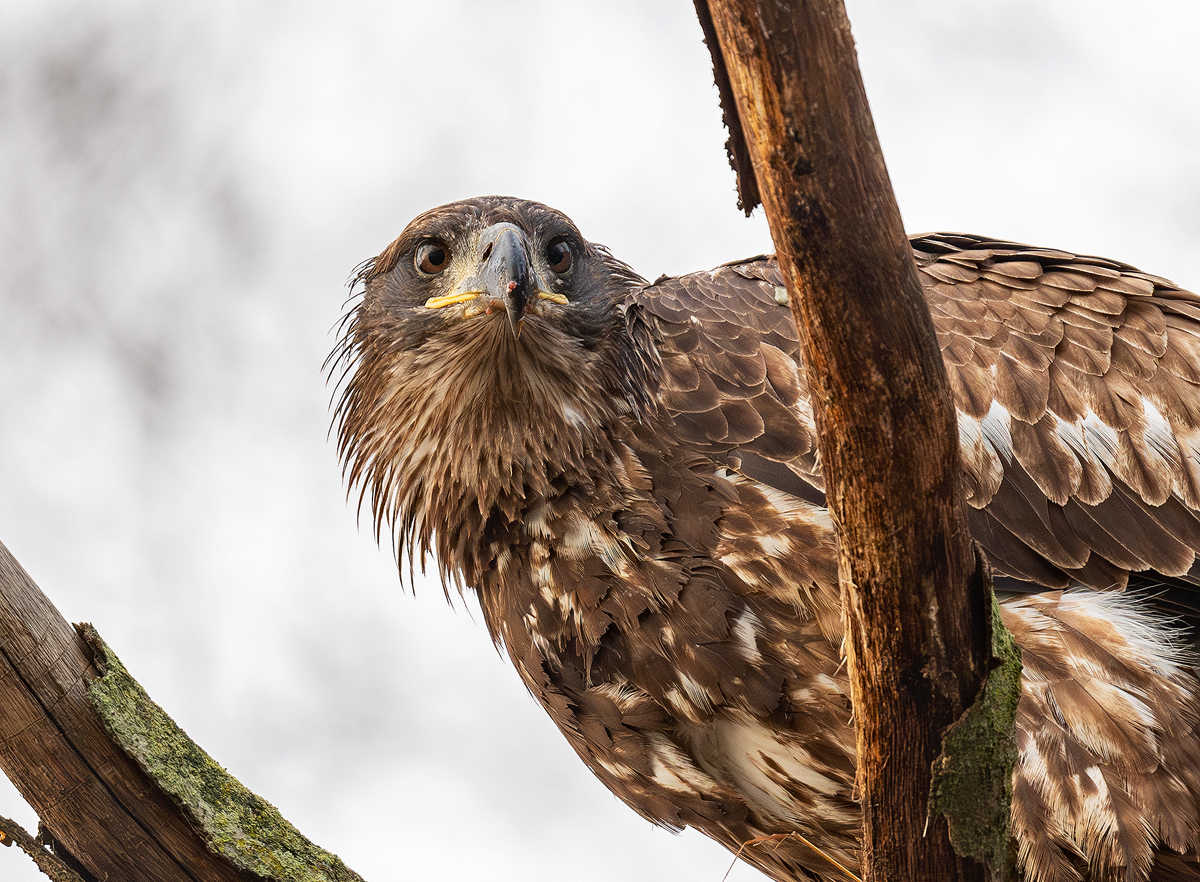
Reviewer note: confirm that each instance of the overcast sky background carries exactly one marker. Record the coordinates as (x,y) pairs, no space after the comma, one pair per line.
(185,189)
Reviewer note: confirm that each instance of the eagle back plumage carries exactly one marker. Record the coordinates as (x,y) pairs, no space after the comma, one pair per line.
(629,478)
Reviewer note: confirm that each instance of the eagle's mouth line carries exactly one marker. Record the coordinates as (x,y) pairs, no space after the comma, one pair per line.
(464,296)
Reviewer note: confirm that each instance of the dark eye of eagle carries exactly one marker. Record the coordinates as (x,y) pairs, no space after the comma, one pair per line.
(558,255)
(432,257)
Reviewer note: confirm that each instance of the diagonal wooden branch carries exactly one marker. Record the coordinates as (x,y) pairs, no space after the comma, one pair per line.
(914,603)
(116,783)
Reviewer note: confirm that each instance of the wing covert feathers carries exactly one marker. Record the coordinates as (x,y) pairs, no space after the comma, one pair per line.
(1077,381)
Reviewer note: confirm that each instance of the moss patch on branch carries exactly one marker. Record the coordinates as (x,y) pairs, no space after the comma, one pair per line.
(238,824)
(972,778)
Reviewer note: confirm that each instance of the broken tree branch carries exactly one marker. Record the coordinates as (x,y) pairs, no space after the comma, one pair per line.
(116,783)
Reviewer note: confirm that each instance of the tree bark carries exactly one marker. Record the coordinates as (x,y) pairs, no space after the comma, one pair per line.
(93,798)
(914,602)
(122,789)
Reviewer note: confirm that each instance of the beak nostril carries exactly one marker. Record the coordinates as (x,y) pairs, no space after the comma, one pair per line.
(505,271)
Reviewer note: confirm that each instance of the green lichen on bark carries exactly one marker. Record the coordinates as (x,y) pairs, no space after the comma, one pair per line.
(972,778)
(238,824)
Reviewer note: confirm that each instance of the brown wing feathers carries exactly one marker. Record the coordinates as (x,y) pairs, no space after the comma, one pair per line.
(1078,396)
(1077,381)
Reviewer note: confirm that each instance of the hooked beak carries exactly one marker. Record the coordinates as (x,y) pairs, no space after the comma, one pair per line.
(506,274)
(503,275)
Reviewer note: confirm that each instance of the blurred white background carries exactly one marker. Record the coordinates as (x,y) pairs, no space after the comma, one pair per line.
(185,189)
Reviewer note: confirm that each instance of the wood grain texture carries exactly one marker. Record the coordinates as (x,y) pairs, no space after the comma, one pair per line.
(913,602)
(94,799)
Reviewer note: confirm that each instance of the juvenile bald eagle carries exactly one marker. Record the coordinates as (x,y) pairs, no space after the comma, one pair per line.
(627,474)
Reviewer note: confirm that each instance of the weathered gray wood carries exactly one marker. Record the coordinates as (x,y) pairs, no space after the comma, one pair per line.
(917,636)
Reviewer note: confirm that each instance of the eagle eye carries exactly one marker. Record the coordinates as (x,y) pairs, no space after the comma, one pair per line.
(432,257)
(558,255)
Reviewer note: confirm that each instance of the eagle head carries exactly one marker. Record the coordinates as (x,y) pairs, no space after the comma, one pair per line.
(488,356)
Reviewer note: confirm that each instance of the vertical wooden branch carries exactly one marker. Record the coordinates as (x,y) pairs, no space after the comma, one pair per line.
(917,627)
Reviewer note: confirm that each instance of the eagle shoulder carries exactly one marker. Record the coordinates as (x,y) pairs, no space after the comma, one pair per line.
(1075,379)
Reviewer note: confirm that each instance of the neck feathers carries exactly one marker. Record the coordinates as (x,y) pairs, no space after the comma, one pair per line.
(455,438)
